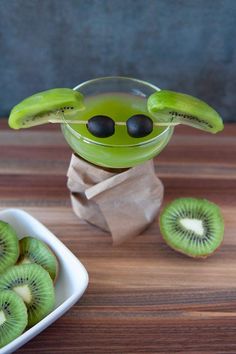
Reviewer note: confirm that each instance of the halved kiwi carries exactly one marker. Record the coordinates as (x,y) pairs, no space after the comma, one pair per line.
(13,317)
(192,226)
(9,246)
(173,107)
(36,251)
(34,285)
(44,106)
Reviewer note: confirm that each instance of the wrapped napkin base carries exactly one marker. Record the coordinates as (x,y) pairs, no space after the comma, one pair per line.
(122,202)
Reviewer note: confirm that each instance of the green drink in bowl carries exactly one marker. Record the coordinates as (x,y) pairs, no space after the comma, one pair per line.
(118,98)
(115,122)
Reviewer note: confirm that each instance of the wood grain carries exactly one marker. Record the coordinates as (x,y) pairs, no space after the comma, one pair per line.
(142,297)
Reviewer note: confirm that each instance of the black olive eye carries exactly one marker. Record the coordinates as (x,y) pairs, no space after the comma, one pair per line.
(139,126)
(101,126)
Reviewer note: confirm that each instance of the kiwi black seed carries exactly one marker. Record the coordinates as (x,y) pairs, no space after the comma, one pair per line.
(9,246)
(34,285)
(192,226)
(13,317)
(33,250)
(139,126)
(101,126)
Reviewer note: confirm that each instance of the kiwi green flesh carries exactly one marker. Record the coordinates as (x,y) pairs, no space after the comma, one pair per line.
(192,226)
(33,280)
(13,317)
(173,107)
(44,106)
(9,246)
(36,251)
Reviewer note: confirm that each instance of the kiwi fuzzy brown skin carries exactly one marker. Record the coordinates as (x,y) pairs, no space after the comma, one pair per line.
(179,249)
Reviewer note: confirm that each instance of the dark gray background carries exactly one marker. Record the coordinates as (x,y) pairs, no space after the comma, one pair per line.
(184,45)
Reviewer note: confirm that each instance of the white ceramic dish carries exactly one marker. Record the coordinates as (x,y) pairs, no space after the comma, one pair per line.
(72,280)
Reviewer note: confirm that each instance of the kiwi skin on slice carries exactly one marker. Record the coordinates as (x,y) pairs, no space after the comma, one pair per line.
(194,227)
(9,246)
(44,106)
(13,317)
(33,283)
(33,250)
(174,107)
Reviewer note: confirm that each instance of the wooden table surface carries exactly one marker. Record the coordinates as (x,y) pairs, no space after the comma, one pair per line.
(142,296)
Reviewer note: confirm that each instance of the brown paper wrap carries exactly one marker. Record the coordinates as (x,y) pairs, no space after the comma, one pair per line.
(123,203)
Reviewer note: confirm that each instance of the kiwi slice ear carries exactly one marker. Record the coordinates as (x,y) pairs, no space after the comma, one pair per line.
(173,107)
(9,246)
(34,285)
(13,317)
(36,251)
(192,226)
(44,106)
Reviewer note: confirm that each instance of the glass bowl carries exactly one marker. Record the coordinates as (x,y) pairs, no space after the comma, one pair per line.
(129,97)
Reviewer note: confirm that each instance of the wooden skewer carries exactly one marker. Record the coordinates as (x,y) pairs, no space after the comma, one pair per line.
(71,121)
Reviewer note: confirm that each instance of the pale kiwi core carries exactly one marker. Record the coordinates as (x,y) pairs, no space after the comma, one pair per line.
(194,225)
(24,292)
(2,317)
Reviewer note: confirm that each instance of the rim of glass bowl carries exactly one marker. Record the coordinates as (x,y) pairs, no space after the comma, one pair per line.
(90,141)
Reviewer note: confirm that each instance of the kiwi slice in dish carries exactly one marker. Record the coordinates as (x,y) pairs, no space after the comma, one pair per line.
(36,251)
(173,107)
(9,246)
(192,226)
(13,317)
(45,106)
(34,285)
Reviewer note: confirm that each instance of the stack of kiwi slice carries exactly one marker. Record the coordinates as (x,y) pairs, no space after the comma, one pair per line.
(28,271)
